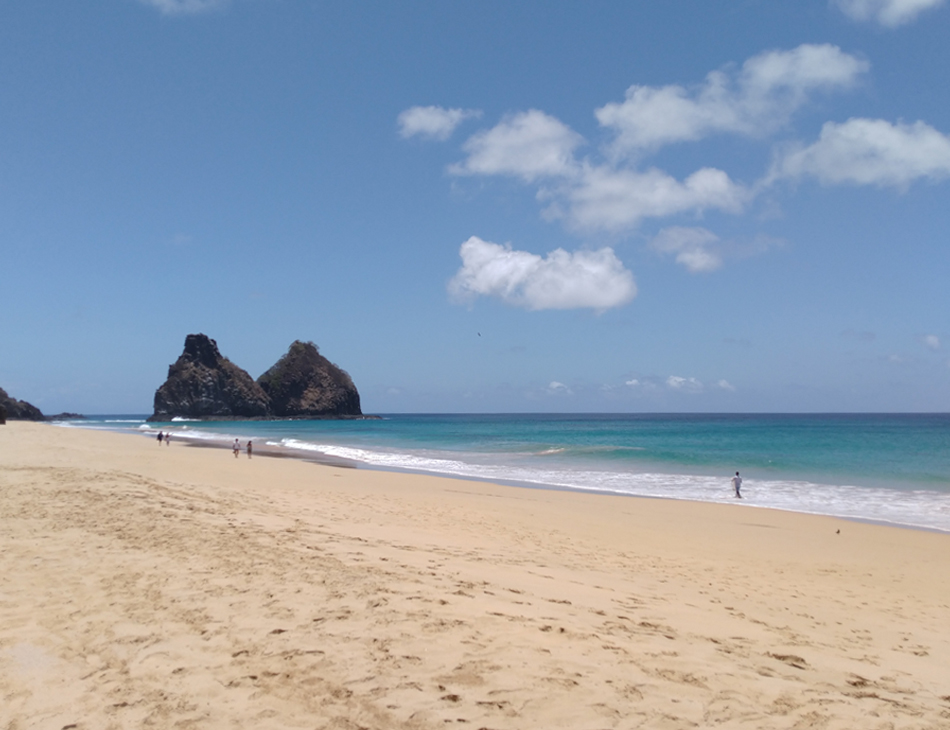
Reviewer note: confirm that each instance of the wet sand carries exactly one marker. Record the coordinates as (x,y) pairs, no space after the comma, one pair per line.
(145,585)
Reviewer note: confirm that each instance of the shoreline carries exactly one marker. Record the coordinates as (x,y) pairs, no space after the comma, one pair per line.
(272,451)
(279,450)
(168,585)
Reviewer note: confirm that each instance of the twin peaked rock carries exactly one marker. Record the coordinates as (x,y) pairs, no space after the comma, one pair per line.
(202,383)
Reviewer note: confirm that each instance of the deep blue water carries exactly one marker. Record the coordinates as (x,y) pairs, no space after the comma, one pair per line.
(887,467)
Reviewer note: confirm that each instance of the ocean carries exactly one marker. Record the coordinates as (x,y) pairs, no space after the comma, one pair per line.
(888,468)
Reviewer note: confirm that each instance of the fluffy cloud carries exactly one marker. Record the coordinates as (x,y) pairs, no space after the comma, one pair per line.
(610,190)
(529,145)
(606,198)
(562,280)
(616,196)
(756,100)
(890,13)
(725,385)
(870,152)
(684,385)
(185,7)
(694,247)
(433,122)
(931,342)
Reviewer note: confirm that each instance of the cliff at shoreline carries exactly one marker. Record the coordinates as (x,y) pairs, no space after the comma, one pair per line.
(17,410)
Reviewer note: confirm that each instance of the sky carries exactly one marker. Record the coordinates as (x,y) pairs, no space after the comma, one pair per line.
(482,206)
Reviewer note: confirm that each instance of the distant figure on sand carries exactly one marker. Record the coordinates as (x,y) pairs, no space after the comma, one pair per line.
(236,447)
(248,449)
(168,438)
(737,484)
(160,437)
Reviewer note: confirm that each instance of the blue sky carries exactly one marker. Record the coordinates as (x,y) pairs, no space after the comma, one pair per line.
(482,206)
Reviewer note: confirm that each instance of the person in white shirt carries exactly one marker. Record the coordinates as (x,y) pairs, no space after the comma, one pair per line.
(737,484)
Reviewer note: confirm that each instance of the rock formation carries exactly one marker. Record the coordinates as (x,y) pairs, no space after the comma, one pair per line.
(18,410)
(304,384)
(202,383)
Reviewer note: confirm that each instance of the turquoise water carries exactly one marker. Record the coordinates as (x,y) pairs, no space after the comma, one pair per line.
(885,467)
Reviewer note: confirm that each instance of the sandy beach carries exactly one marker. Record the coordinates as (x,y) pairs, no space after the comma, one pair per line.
(153,586)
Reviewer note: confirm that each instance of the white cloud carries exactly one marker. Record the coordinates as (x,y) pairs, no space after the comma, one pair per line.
(533,146)
(725,385)
(556,387)
(529,145)
(890,13)
(614,196)
(756,100)
(562,280)
(633,383)
(701,251)
(870,152)
(185,7)
(685,385)
(931,342)
(606,198)
(694,247)
(433,122)
(613,193)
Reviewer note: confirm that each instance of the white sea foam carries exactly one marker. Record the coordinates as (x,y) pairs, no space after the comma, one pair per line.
(919,508)
(914,508)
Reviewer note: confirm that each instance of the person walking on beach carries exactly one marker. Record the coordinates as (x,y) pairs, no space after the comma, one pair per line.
(168,438)
(737,485)
(248,449)
(160,437)
(236,448)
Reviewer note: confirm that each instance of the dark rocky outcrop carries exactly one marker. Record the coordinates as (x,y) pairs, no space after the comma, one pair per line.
(202,383)
(304,384)
(17,410)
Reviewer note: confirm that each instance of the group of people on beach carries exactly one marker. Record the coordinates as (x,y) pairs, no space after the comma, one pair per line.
(236,446)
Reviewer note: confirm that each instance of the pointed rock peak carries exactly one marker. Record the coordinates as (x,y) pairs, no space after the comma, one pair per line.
(204,384)
(304,353)
(202,349)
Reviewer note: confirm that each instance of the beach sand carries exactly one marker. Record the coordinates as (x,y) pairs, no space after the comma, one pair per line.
(153,586)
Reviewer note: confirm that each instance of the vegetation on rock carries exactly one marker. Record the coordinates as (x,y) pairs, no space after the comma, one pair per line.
(303,383)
